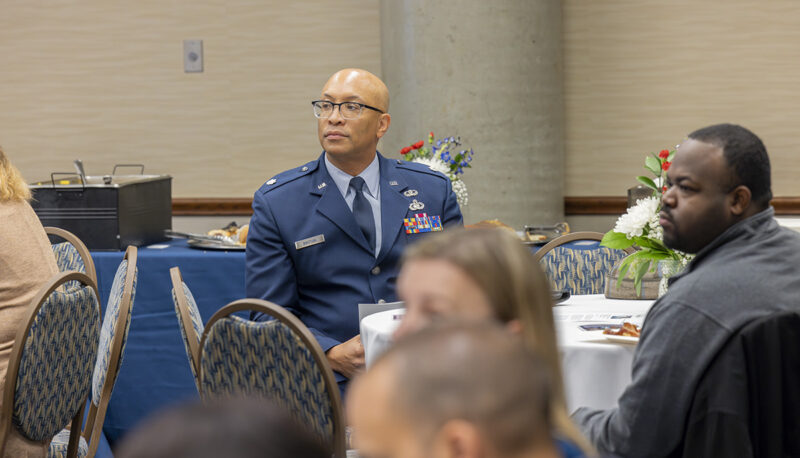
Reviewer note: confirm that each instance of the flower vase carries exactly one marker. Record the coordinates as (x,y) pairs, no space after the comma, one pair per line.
(666,269)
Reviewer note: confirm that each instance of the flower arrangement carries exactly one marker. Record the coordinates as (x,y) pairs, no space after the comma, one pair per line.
(639,227)
(442,156)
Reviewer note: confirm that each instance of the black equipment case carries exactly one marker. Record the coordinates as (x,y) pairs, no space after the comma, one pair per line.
(107,212)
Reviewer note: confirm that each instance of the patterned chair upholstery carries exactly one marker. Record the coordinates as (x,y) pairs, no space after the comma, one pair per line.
(113,337)
(71,254)
(577,263)
(51,362)
(189,321)
(278,359)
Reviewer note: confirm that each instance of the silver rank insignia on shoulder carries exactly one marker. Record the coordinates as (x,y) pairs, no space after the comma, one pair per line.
(392,183)
(271,181)
(305,243)
(410,193)
(416,205)
(322,185)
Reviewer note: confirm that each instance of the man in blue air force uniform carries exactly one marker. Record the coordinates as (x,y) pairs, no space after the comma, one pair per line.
(327,236)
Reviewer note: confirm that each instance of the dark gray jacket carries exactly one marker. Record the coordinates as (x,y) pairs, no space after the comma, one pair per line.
(749,271)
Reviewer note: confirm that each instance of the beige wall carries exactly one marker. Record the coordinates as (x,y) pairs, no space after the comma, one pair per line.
(640,75)
(103,81)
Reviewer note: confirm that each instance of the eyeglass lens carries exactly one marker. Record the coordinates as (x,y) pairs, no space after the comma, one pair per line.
(348,110)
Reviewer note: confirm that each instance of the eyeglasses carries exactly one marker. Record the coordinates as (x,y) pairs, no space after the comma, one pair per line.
(349,110)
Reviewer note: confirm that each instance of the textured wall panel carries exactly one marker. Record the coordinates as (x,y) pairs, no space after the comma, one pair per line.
(640,75)
(104,82)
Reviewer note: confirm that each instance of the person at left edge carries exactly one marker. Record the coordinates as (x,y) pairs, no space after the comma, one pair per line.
(305,249)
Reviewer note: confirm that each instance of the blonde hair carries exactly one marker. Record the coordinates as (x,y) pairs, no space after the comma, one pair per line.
(517,289)
(12,185)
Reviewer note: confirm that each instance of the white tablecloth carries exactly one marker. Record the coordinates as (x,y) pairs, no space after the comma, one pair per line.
(596,371)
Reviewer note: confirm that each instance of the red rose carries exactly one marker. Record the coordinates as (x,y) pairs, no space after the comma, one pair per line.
(663,154)
(417,145)
(431,135)
(405,150)
(664,189)
(665,166)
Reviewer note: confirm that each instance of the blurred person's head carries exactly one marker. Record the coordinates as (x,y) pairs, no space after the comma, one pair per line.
(484,275)
(232,428)
(453,390)
(12,185)
(719,176)
(476,274)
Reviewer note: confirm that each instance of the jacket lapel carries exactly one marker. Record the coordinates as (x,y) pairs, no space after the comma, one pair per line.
(394,206)
(332,205)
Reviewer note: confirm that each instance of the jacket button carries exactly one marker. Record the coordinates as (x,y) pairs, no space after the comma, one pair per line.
(381,301)
(376,270)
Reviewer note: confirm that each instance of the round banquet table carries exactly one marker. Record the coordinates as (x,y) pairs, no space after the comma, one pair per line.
(596,370)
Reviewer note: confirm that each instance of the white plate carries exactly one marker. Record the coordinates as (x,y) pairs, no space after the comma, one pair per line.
(622,339)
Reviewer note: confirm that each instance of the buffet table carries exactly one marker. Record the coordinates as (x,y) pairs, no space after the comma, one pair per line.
(155,370)
(596,369)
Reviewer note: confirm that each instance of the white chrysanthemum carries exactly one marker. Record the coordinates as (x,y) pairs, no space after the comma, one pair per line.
(434,164)
(635,221)
(437,165)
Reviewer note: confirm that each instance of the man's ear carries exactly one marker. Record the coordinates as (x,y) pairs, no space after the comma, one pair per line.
(383,124)
(740,200)
(460,439)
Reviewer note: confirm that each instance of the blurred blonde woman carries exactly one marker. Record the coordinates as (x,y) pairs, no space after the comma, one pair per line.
(479,274)
(27,263)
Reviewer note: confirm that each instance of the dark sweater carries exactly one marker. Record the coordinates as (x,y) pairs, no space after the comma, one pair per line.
(749,271)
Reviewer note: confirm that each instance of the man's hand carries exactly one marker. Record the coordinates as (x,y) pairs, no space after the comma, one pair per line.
(347,358)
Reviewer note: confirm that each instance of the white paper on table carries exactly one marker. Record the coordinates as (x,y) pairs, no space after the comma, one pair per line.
(365,310)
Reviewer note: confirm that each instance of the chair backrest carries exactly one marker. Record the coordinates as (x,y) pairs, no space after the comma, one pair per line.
(49,372)
(577,263)
(189,321)
(745,403)
(71,254)
(278,359)
(113,337)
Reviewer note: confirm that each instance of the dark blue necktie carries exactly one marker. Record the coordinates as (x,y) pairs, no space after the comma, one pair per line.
(362,210)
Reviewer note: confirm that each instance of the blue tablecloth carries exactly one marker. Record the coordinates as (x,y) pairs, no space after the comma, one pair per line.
(155,369)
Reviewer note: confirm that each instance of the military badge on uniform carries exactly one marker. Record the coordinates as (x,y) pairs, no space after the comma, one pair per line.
(271,181)
(322,185)
(392,183)
(421,222)
(410,193)
(416,205)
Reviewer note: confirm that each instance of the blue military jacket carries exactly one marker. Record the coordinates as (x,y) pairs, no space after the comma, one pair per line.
(322,282)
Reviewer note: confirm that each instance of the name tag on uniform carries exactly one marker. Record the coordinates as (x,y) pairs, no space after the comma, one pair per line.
(305,243)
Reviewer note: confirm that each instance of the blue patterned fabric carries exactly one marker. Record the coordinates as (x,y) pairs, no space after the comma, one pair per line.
(197,326)
(266,358)
(68,258)
(108,329)
(56,364)
(580,266)
(60,443)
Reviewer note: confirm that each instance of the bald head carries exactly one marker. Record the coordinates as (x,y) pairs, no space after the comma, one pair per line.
(369,86)
(428,382)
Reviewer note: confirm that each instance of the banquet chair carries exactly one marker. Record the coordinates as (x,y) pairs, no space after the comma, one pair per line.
(113,337)
(49,374)
(189,321)
(278,359)
(577,263)
(745,403)
(71,254)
